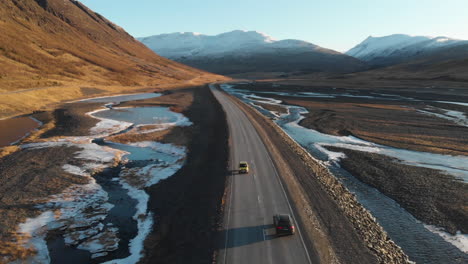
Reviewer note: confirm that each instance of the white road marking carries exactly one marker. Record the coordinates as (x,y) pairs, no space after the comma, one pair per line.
(290,208)
(228,220)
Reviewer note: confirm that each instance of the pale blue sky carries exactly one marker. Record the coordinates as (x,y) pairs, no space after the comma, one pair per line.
(334,24)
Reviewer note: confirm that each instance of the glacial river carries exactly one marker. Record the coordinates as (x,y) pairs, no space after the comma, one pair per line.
(421,245)
(107,220)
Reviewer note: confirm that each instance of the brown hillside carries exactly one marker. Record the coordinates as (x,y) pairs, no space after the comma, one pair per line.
(55,50)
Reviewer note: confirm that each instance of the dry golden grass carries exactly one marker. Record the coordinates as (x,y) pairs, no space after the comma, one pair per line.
(5,151)
(48,55)
(10,251)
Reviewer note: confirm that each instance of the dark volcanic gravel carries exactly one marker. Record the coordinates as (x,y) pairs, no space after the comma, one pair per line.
(431,196)
(187,205)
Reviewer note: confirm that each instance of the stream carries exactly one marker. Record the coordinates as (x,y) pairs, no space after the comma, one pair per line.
(107,220)
(417,241)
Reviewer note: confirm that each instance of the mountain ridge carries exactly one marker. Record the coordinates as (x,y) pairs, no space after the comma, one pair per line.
(248,51)
(399,48)
(50,49)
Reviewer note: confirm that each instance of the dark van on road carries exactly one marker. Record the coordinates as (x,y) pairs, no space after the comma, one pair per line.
(283,224)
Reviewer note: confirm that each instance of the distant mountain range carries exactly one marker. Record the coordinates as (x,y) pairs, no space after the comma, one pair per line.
(249,51)
(399,48)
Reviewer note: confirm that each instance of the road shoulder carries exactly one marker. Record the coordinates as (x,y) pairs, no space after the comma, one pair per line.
(336,224)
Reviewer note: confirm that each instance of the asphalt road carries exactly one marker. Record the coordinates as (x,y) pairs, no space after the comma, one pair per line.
(253,199)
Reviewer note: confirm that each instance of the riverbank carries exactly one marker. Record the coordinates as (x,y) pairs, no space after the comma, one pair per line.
(393,117)
(290,108)
(336,223)
(433,197)
(187,205)
(67,130)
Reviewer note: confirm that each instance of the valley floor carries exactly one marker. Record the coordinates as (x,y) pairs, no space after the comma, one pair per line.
(387,137)
(74,156)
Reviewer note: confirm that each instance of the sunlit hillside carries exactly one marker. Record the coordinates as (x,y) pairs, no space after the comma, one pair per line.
(53,50)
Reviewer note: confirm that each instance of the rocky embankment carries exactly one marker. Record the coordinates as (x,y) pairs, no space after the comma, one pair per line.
(370,233)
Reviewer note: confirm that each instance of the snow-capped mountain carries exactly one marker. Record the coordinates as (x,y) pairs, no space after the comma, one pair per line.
(398,48)
(190,44)
(246,51)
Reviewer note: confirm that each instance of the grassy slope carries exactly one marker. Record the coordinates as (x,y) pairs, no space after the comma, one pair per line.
(51,49)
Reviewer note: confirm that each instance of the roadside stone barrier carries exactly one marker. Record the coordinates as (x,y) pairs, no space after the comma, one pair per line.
(368,229)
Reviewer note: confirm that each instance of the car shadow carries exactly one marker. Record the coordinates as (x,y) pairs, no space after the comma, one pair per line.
(241,236)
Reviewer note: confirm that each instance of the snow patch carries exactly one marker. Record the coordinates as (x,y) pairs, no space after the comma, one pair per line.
(107,127)
(405,45)
(102,243)
(189,45)
(459,240)
(36,230)
(144,222)
(79,211)
(457,103)
(309,138)
(456,117)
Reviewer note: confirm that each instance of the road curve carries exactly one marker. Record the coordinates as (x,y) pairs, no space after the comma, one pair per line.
(252,199)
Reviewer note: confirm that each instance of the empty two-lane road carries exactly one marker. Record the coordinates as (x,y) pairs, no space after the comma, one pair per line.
(253,199)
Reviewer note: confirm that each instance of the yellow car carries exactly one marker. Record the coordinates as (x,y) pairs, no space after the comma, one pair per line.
(243,167)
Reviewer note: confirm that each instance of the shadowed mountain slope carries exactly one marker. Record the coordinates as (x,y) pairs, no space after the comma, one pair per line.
(445,64)
(400,48)
(249,51)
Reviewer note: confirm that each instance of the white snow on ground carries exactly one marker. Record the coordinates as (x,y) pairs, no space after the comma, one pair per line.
(261,99)
(102,243)
(96,157)
(457,103)
(454,116)
(80,209)
(454,165)
(459,240)
(107,126)
(74,170)
(135,179)
(36,230)
(152,174)
(96,153)
(166,148)
(332,156)
(274,113)
(144,221)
